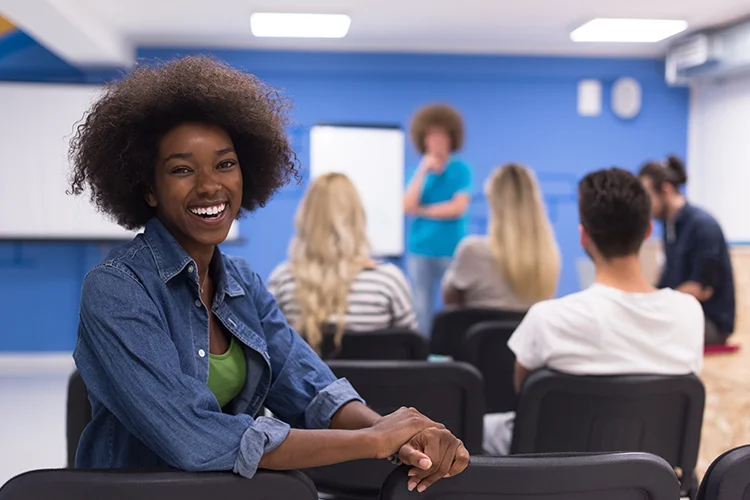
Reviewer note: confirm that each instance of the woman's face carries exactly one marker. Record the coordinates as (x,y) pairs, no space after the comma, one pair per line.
(437,142)
(197,184)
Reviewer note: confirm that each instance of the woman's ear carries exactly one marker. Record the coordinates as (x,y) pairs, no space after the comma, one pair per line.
(150,198)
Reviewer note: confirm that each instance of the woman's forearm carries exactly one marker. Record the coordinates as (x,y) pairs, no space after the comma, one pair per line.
(315,448)
(453,297)
(353,416)
(414,191)
(446,210)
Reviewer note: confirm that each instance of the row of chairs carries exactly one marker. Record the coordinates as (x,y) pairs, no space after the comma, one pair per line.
(621,476)
(477,336)
(556,413)
(449,329)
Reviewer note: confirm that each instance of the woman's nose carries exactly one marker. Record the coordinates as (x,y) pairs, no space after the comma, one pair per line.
(208,182)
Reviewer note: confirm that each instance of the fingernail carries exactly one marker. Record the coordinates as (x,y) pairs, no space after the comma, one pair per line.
(421,488)
(425,463)
(412,472)
(446,476)
(412,485)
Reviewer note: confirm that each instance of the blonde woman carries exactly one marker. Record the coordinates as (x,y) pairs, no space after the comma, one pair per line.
(330,277)
(518,263)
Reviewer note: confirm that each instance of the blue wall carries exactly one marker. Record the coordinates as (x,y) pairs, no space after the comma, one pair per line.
(515,108)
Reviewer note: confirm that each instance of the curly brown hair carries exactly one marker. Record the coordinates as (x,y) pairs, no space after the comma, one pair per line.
(437,115)
(115,147)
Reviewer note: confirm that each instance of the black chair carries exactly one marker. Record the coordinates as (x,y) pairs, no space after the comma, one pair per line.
(728,477)
(390,344)
(449,393)
(132,485)
(485,347)
(450,326)
(649,413)
(78,414)
(614,476)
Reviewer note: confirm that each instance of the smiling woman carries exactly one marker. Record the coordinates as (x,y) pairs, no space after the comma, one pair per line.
(180,346)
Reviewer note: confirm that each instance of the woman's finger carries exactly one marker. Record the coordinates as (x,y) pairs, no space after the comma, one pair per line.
(450,446)
(460,461)
(410,455)
(430,442)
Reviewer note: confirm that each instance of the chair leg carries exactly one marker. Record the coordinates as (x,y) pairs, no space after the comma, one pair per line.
(689,487)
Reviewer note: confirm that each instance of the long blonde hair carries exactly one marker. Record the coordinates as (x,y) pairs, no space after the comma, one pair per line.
(329,250)
(520,235)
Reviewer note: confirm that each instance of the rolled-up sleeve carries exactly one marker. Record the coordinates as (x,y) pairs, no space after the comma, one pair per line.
(265,435)
(327,402)
(304,391)
(130,364)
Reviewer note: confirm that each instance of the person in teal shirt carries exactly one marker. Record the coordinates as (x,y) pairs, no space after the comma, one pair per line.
(438,197)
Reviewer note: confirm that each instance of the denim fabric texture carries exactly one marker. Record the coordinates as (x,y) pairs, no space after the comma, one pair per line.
(142,351)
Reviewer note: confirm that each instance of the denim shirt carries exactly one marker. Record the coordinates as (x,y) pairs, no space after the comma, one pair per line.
(142,351)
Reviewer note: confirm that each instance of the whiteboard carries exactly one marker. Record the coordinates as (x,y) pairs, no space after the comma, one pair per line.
(373,158)
(37,122)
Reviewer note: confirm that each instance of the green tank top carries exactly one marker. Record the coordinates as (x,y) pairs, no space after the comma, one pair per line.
(227,373)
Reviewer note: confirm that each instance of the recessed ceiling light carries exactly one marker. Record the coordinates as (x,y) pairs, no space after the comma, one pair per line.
(628,30)
(269,24)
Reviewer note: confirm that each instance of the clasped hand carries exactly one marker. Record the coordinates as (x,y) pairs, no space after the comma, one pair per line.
(428,447)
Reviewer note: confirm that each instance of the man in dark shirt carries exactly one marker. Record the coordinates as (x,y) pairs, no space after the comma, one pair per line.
(697,255)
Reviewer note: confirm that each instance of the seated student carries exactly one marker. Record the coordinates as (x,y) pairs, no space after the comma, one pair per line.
(697,256)
(518,263)
(619,325)
(330,277)
(180,345)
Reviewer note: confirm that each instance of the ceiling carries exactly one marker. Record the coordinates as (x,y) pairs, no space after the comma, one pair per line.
(463,26)
(483,26)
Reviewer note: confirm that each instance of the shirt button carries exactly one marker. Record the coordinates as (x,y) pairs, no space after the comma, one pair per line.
(190,268)
(198,303)
(201,353)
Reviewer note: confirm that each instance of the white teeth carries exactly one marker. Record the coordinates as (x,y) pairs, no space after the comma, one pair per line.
(214,210)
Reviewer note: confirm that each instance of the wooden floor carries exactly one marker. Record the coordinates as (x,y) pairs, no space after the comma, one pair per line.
(726,422)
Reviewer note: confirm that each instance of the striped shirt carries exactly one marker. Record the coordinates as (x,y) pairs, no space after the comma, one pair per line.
(379,298)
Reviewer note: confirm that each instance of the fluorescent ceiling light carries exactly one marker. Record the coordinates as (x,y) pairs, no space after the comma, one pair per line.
(269,24)
(628,30)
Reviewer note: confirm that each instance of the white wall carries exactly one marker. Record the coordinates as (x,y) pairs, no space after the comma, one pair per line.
(719,153)
(33,398)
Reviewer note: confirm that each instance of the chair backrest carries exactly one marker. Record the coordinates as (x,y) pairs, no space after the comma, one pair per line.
(115,484)
(78,414)
(728,477)
(449,393)
(389,344)
(485,347)
(611,476)
(450,326)
(651,413)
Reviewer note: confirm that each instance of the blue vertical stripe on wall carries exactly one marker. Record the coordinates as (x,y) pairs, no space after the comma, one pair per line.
(515,108)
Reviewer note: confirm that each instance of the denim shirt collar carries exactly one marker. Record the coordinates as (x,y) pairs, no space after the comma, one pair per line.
(171,259)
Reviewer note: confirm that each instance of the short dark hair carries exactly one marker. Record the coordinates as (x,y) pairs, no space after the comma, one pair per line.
(615,210)
(672,172)
(114,150)
(441,116)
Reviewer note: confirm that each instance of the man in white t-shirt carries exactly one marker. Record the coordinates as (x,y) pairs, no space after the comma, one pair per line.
(619,325)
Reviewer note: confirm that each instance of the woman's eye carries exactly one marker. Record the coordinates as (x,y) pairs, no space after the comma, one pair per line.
(226,164)
(180,170)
